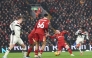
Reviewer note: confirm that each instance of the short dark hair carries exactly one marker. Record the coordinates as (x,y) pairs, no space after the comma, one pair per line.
(45,15)
(83,28)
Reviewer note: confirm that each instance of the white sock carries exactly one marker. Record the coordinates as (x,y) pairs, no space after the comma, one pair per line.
(80,49)
(6,53)
(24,52)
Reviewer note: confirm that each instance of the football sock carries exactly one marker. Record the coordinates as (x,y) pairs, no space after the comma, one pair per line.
(7,52)
(77,46)
(80,49)
(29,50)
(24,52)
(36,52)
(41,51)
(70,51)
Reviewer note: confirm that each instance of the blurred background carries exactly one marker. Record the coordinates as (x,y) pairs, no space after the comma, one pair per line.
(63,14)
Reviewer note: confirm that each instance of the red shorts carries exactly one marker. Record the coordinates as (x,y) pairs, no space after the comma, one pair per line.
(61,46)
(30,38)
(39,37)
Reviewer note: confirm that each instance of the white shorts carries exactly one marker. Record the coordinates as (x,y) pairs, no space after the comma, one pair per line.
(79,40)
(14,40)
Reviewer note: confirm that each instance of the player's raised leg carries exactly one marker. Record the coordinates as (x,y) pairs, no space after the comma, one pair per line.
(13,41)
(8,50)
(78,46)
(81,34)
(15,35)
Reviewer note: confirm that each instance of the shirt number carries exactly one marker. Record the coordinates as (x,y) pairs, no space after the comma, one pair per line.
(40,25)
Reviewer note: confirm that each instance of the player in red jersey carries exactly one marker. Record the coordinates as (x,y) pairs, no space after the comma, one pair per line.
(41,29)
(31,42)
(61,41)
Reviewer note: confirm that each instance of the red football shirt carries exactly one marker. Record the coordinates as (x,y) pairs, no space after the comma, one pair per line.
(42,26)
(60,37)
(31,35)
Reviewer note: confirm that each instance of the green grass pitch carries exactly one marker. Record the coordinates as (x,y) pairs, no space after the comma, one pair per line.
(51,55)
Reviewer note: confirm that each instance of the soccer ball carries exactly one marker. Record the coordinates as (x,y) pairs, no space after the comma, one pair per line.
(56,53)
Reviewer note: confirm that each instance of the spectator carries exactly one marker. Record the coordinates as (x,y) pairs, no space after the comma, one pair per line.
(66,14)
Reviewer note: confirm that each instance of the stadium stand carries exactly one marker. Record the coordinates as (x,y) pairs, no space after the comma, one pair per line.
(66,14)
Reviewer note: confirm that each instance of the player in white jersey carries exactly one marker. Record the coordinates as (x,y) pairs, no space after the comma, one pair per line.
(15,36)
(81,34)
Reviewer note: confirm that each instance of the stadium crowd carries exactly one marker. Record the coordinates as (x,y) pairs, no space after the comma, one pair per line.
(66,14)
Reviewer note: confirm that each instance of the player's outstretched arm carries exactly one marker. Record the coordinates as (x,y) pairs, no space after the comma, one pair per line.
(54,36)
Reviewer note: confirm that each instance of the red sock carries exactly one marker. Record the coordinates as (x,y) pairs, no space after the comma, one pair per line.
(29,50)
(78,45)
(36,52)
(41,51)
(70,51)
